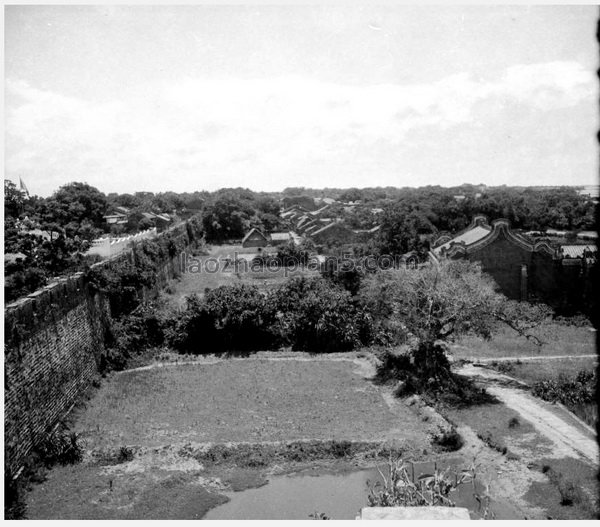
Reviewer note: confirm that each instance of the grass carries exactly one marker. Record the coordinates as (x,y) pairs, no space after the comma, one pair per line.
(571,491)
(196,283)
(501,428)
(560,339)
(249,455)
(241,400)
(534,371)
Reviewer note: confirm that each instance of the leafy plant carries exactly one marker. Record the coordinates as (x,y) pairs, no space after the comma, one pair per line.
(449,440)
(318,516)
(577,393)
(397,488)
(60,447)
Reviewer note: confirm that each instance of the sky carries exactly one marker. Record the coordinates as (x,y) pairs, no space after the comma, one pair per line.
(186,98)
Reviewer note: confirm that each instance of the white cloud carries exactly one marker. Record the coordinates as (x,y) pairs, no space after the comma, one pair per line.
(232,127)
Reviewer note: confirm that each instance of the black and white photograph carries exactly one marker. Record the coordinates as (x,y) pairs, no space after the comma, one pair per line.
(331,261)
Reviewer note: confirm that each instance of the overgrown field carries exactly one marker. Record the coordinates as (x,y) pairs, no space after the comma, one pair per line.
(196,282)
(241,400)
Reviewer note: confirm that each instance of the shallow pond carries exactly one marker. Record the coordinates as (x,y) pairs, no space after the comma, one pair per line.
(338,495)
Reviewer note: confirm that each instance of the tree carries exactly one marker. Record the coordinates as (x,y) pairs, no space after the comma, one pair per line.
(226,218)
(75,203)
(14,200)
(438,303)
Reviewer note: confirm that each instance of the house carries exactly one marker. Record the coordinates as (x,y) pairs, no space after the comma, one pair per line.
(117,215)
(520,268)
(319,212)
(523,269)
(333,232)
(115,219)
(255,238)
(280,238)
(306,202)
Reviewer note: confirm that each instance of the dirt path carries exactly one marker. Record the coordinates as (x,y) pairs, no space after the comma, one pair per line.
(569,440)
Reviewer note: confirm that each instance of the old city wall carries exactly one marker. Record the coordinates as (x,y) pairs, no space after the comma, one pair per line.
(54,339)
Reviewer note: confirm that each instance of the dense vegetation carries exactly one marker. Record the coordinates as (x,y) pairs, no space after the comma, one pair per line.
(54,233)
(577,393)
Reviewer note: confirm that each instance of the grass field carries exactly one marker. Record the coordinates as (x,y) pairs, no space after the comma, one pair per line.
(558,339)
(534,371)
(242,400)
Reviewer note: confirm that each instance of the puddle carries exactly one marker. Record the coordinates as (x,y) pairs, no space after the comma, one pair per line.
(338,495)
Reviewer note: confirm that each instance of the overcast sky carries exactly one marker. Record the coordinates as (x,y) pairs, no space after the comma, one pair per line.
(203,97)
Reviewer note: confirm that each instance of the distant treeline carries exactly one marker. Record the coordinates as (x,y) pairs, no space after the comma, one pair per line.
(52,234)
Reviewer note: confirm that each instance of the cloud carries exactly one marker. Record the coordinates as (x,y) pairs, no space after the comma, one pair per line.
(228,129)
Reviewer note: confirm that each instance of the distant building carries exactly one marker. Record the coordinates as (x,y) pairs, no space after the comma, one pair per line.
(304,201)
(333,232)
(255,238)
(115,219)
(280,238)
(524,270)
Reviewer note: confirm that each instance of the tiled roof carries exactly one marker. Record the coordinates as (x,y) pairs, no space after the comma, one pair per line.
(253,231)
(576,251)
(471,236)
(280,236)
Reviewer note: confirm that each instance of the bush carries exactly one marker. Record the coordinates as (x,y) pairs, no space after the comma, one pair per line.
(315,315)
(570,391)
(449,440)
(448,389)
(60,447)
(230,318)
(131,335)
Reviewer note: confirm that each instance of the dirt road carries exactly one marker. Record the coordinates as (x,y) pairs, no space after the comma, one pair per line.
(569,439)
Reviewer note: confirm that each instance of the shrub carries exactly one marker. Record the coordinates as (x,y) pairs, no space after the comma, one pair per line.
(449,440)
(451,389)
(125,454)
(131,335)
(398,489)
(60,447)
(229,318)
(577,393)
(514,422)
(315,315)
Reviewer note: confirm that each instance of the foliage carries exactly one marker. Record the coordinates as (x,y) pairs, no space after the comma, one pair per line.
(436,304)
(577,393)
(60,447)
(319,516)
(226,218)
(14,200)
(315,315)
(448,440)
(229,318)
(448,389)
(133,334)
(306,314)
(398,489)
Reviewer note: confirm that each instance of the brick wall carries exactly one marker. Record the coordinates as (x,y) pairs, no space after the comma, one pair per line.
(53,342)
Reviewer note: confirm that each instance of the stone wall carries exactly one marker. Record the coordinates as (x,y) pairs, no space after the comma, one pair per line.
(54,339)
